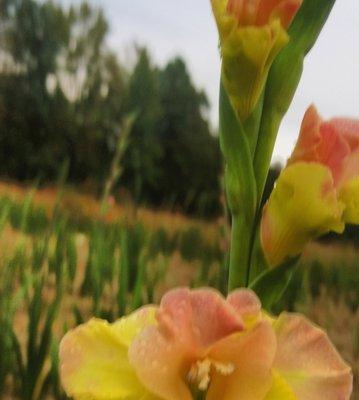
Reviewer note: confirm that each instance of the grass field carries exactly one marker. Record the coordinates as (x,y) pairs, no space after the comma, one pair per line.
(63,261)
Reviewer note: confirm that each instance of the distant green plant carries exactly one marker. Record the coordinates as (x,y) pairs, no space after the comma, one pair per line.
(9,302)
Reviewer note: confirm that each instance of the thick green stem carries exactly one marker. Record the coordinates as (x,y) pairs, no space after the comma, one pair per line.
(240,253)
(240,189)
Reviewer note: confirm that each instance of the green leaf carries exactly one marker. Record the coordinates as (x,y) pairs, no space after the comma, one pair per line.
(124,273)
(287,69)
(271,284)
(139,284)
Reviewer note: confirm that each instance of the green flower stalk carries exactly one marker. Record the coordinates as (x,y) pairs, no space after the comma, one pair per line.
(263,45)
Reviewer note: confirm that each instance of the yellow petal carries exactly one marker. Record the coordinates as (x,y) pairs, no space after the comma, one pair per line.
(303,205)
(94,361)
(280,389)
(129,327)
(225,22)
(247,54)
(349,195)
(308,362)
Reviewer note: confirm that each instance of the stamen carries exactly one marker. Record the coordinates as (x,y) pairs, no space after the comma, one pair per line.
(200,372)
(224,369)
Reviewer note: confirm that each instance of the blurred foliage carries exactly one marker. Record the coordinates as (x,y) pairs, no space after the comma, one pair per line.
(64,94)
(54,275)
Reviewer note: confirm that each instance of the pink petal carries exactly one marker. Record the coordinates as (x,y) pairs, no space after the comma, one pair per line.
(188,322)
(321,142)
(237,8)
(251,353)
(349,128)
(309,362)
(351,168)
(285,10)
(201,315)
(260,12)
(309,137)
(333,150)
(161,364)
(245,302)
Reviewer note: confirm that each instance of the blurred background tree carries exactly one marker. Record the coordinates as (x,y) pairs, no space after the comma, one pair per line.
(191,154)
(64,93)
(32,37)
(142,163)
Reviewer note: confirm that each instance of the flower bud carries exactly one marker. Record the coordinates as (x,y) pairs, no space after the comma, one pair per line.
(251,35)
(302,206)
(318,190)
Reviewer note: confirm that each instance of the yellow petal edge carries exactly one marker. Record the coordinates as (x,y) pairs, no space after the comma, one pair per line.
(94,361)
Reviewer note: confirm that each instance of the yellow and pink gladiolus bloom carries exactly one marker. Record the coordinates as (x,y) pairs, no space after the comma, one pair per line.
(318,190)
(197,341)
(251,33)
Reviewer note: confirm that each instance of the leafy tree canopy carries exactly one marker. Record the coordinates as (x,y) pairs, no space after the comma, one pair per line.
(64,94)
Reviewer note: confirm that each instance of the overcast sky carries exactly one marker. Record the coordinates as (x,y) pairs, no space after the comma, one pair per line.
(186,27)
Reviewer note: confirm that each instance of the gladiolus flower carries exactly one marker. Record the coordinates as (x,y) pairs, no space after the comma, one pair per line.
(252,32)
(318,191)
(199,342)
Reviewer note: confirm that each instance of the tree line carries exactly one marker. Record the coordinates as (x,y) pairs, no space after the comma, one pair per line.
(64,94)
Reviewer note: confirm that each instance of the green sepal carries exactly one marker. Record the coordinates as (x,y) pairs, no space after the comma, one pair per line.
(271,284)
(239,173)
(287,68)
(252,124)
(284,77)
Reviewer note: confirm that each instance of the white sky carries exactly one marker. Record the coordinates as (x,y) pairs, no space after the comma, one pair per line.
(186,28)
